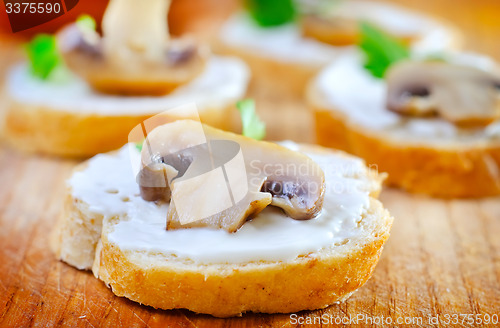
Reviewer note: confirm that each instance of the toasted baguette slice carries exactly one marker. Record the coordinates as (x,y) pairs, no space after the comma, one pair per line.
(68,119)
(92,233)
(429,156)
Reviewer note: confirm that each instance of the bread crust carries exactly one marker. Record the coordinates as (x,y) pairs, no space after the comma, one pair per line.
(77,232)
(308,282)
(313,281)
(448,172)
(66,133)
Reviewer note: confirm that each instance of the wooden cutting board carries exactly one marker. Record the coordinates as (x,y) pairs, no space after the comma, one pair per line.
(442,260)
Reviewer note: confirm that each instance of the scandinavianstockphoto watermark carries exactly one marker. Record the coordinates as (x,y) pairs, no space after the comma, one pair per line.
(381,320)
(219,168)
(339,175)
(358,319)
(215,166)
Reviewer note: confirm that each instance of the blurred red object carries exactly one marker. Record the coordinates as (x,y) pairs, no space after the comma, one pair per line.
(197,16)
(95,8)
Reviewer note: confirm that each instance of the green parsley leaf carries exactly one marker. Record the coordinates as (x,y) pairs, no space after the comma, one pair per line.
(43,55)
(268,13)
(253,127)
(381,50)
(86,22)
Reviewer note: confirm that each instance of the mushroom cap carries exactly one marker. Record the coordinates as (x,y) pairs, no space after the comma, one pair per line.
(463,95)
(85,55)
(208,167)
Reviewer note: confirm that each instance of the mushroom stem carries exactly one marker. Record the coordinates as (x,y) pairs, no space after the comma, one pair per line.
(135,30)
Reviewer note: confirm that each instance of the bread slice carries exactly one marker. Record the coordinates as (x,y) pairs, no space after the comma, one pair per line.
(283,60)
(430,156)
(271,76)
(93,233)
(68,119)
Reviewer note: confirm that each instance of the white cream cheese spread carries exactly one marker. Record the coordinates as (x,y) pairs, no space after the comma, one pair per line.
(223,81)
(286,43)
(108,185)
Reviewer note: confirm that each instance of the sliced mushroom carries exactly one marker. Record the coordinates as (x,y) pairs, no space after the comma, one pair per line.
(463,95)
(337,22)
(135,56)
(338,31)
(229,176)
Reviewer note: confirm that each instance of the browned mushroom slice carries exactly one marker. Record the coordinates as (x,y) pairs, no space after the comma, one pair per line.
(221,181)
(135,55)
(460,94)
(337,30)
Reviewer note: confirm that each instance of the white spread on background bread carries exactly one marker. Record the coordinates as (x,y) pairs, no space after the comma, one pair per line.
(399,22)
(223,81)
(349,88)
(283,42)
(286,42)
(108,185)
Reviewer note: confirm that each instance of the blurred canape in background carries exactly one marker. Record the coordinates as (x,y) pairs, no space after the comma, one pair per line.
(185,16)
(200,18)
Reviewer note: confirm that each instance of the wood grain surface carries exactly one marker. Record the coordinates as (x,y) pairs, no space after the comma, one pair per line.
(443,257)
